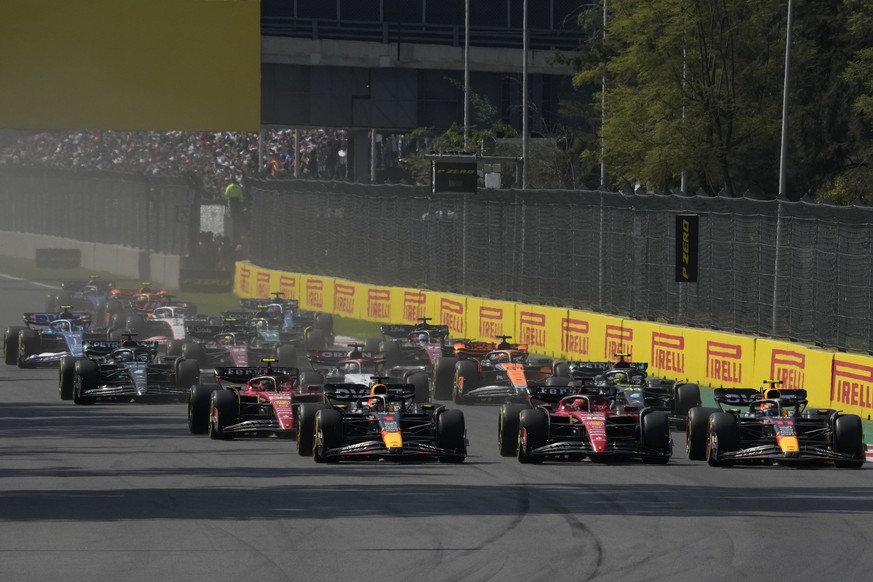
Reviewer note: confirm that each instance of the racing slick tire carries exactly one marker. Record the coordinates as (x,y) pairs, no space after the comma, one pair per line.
(118,321)
(533,430)
(67,377)
(223,412)
(562,370)
(187,373)
(86,378)
(507,428)
(135,324)
(28,345)
(174,348)
(199,398)
(328,434)
(686,397)
(315,340)
(451,435)
(116,335)
(373,344)
(193,351)
(422,387)
(286,355)
(468,371)
(324,322)
(723,437)
(558,381)
(655,436)
(849,440)
(392,354)
(306,426)
(10,344)
(311,378)
(695,432)
(443,377)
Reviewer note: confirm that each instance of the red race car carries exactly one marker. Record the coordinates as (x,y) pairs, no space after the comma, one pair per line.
(570,423)
(263,406)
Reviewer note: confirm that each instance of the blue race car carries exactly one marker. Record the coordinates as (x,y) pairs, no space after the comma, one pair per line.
(48,337)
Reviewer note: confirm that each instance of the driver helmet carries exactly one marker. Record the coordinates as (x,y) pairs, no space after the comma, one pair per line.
(376,404)
(123,356)
(620,378)
(423,337)
(503,357)
(769,408)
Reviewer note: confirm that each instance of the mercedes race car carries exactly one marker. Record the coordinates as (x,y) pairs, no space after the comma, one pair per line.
(47,338)
(572,423)
(125,371)
(772,426)
(356,422)
(260,401)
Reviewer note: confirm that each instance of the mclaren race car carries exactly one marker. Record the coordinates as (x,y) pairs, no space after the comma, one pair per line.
(772,426)
(380,422)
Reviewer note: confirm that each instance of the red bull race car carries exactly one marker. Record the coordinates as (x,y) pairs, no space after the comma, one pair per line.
(772,426)
(356,422)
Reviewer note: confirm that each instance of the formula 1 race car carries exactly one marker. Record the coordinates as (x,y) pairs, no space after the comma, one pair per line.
(264,405)
(235,342)
(444,373)
(775,427)
(632,379)
(125,371)
(47,338)
(501,374)
(571,423)
(90,296)
(310,329)
(356,422)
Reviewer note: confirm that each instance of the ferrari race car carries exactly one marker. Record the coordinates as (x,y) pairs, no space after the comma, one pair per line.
(356,422)
(47,338)
(124,371)
(773,427)
(261,401)
(571,423)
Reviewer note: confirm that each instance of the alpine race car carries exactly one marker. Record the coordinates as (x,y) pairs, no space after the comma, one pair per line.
(356,422)
(261,401)
(572,423)
(773,427)
(125,371)
(47,338)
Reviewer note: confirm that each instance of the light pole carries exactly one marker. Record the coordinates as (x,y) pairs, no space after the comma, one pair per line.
(784,144)
(524,137)
(603,112)
(466,73)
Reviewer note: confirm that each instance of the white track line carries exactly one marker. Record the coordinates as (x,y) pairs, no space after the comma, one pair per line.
(37,283)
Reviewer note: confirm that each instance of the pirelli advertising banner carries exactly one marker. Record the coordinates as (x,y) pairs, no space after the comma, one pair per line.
(317,293)
(540,328)
(720,360)
(645,342)
(797,367)
(583,335)
(488,319)
(852,384)
(377,301)
(288,284)
(450,310)
(348,299)
(243,279)
(410,305)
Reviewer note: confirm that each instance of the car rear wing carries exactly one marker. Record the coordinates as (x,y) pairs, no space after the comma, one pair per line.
(745,396)
(592,369)
(401,331)
(349,392)
(239,374)
(203,331)
(78,317)
(78,285)
(331,357)
(553,393)
(237,314)
(106,346)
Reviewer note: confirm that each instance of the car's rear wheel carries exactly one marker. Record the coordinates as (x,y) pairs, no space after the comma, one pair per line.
(67,377)
(532,434)
(10,344)
(315,339)
(224,412)
(466,379)
(723,437)
(655,433)
(311,378)
(87,376)
(305,426)
(28,345)
(193,351)
(695,432)
(443,377)
(451,435)
(286,355)
(187,373)
(199,398)
(328,434)
(849,440)
(507,428)
(687,396)
(562,370)
(422,387)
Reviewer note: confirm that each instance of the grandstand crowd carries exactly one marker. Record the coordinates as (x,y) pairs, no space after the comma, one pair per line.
(214,159)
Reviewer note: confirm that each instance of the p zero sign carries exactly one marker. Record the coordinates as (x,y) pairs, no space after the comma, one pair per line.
(455,177)
(687,231)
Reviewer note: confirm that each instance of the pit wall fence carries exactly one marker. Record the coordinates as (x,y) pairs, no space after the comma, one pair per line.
(712,358)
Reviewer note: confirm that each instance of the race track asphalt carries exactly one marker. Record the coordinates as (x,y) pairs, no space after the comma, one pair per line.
(125,492)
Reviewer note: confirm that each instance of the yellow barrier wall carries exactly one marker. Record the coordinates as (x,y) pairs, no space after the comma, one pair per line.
(707,357)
